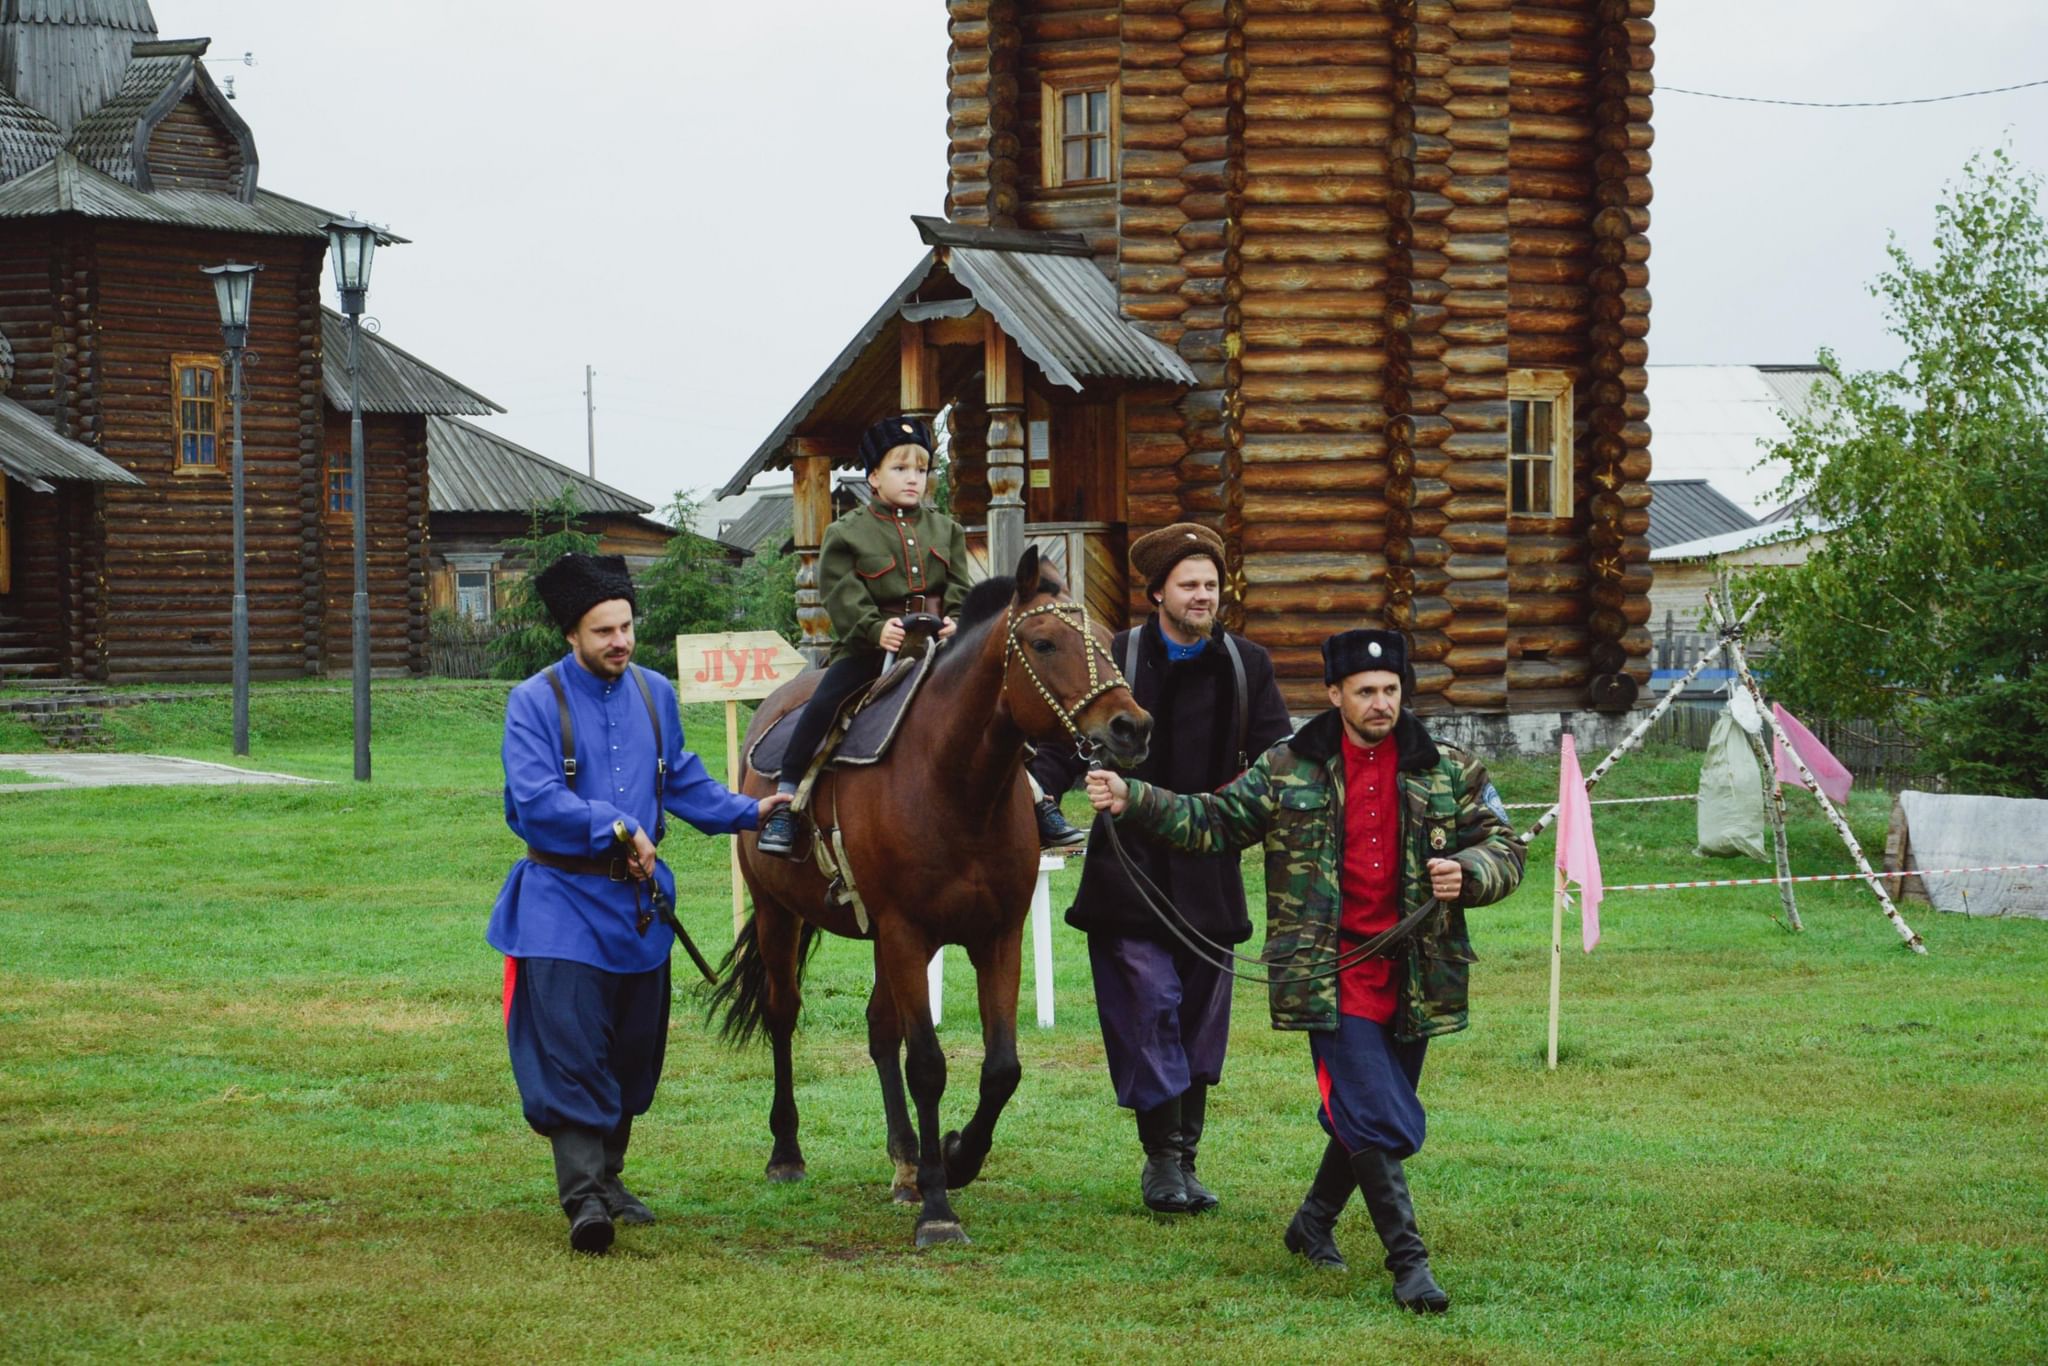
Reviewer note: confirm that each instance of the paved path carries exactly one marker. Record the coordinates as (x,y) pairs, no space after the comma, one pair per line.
(65,770)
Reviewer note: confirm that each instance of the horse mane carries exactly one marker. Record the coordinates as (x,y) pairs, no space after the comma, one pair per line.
(987,599)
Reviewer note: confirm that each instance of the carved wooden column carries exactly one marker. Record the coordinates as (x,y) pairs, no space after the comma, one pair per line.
(1004,371)
(810,472)
(918,384)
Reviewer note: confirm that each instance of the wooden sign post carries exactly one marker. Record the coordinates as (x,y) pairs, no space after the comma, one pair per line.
(734,667)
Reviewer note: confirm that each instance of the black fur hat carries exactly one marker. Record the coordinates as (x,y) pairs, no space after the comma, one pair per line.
(1351,652)
(576,583)
(891,432)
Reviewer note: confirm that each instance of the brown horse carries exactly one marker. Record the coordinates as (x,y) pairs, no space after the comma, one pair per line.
(943,849)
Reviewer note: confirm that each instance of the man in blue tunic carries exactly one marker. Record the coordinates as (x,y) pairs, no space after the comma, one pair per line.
(594,757)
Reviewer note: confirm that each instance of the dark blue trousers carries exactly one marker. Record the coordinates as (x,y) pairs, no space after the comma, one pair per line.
(1165,1017)
(1368,1085)
(586,1044)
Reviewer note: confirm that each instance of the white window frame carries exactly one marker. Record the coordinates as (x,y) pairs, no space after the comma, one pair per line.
(1555,388)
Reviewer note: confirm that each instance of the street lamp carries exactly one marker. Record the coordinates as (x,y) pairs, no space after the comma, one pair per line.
(352,245)
(233,285)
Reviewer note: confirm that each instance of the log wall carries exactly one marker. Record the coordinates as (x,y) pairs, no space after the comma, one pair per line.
(1355,219)
(1550,181)
(395,469)
(192,150)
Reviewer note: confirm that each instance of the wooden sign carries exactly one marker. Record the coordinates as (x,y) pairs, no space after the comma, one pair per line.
(734,666)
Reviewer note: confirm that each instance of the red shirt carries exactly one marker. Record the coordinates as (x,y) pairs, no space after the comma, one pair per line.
(1371,881)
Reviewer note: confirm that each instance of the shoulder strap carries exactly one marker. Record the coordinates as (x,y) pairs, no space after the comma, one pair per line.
(660,752)
(568,729)
(1131,655)
(1240,704)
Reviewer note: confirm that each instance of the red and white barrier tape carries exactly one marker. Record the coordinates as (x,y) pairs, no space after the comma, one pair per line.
(1820,877)
(1604,801)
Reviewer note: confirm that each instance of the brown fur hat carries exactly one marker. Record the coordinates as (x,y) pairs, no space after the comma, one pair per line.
(1154,554)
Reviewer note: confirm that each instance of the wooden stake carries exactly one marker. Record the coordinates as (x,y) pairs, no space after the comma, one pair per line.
(1556,959)
(1641,728)
(1756,694)
(732,780)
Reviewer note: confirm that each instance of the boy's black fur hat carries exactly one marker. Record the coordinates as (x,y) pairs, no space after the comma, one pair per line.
(891,432)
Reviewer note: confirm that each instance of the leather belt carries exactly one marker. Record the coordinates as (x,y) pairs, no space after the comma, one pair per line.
(613,867)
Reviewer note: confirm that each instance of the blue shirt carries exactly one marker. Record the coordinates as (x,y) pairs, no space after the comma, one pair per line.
(1177,651)
(547,913)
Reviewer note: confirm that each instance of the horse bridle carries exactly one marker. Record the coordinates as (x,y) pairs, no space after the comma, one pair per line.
(1073,614)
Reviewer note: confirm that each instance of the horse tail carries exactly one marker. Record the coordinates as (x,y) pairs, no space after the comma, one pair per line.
(742,990)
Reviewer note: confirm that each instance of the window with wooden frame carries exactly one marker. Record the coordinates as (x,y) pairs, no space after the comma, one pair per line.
(196,391)
(473,594)
(1540,443)
(341,486)
(1077,129)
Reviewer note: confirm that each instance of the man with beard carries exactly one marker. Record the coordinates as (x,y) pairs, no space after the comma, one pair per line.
(1165,1013)
(594,757)
(1371,829)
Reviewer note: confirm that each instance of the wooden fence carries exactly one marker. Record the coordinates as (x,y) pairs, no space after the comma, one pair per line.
(460,647)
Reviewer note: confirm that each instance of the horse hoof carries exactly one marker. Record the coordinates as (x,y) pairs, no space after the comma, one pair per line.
(940,1231)
(905,1195)
(786,1171)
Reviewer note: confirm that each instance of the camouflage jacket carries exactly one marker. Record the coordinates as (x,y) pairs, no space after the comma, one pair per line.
(874,557)
(1293,800)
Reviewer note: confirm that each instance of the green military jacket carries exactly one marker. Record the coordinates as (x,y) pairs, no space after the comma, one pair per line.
(874,557)
(1293,800)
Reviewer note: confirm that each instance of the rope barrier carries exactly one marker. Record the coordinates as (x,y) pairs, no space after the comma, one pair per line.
(1849,104)
(1605,801)
(1820,877)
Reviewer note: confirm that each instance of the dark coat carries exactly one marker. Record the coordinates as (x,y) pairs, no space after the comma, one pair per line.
(1193,750)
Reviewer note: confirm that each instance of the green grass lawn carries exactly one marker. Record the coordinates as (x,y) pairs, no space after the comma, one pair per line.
(254,1104)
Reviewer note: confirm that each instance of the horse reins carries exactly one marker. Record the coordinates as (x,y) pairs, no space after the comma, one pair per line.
(1208,950)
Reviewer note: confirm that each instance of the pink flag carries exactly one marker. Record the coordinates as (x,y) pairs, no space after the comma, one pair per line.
(1827,769)
(1576,855)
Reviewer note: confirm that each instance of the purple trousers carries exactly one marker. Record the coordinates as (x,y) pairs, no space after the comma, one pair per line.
(1165,1017)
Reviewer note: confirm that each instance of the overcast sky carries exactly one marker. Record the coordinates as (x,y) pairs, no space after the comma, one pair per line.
(705,200)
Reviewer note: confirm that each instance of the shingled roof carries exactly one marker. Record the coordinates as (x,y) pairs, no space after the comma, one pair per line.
(65,184)
(470,469)
(393,379)
(27,139)
(66,57)
(33,452)
(115,137)
(1043,288)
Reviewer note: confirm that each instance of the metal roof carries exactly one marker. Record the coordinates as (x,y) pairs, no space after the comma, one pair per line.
(1043,290)
(33,452)
(766,525)
(67,185)
(473,470)
(1747,538)
(393,379)
(1719,422)
(1687,509)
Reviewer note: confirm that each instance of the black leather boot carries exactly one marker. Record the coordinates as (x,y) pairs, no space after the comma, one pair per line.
(1053,830)
(1194,1109)
(1311,1232)
(1159,1131)
(778,833)
(579,1180)
(1385,1187)
(625,1207)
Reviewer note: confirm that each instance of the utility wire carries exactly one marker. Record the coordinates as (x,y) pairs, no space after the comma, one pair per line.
(1849,104)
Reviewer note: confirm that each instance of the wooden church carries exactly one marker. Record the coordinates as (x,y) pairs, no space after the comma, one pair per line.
(123,172)
(1360,283)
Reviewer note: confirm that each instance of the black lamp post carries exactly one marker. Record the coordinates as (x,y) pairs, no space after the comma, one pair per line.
(353,244)
(232,287)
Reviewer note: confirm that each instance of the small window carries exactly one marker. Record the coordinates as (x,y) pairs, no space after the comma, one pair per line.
(196,392)
(1540,443)
(341,485)
(473,593)
(1077,137)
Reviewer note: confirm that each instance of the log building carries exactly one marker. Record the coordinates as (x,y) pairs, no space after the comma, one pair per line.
(123,171)
(1360,283)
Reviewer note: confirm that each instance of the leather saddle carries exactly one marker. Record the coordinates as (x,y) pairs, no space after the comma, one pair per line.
(864,729)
